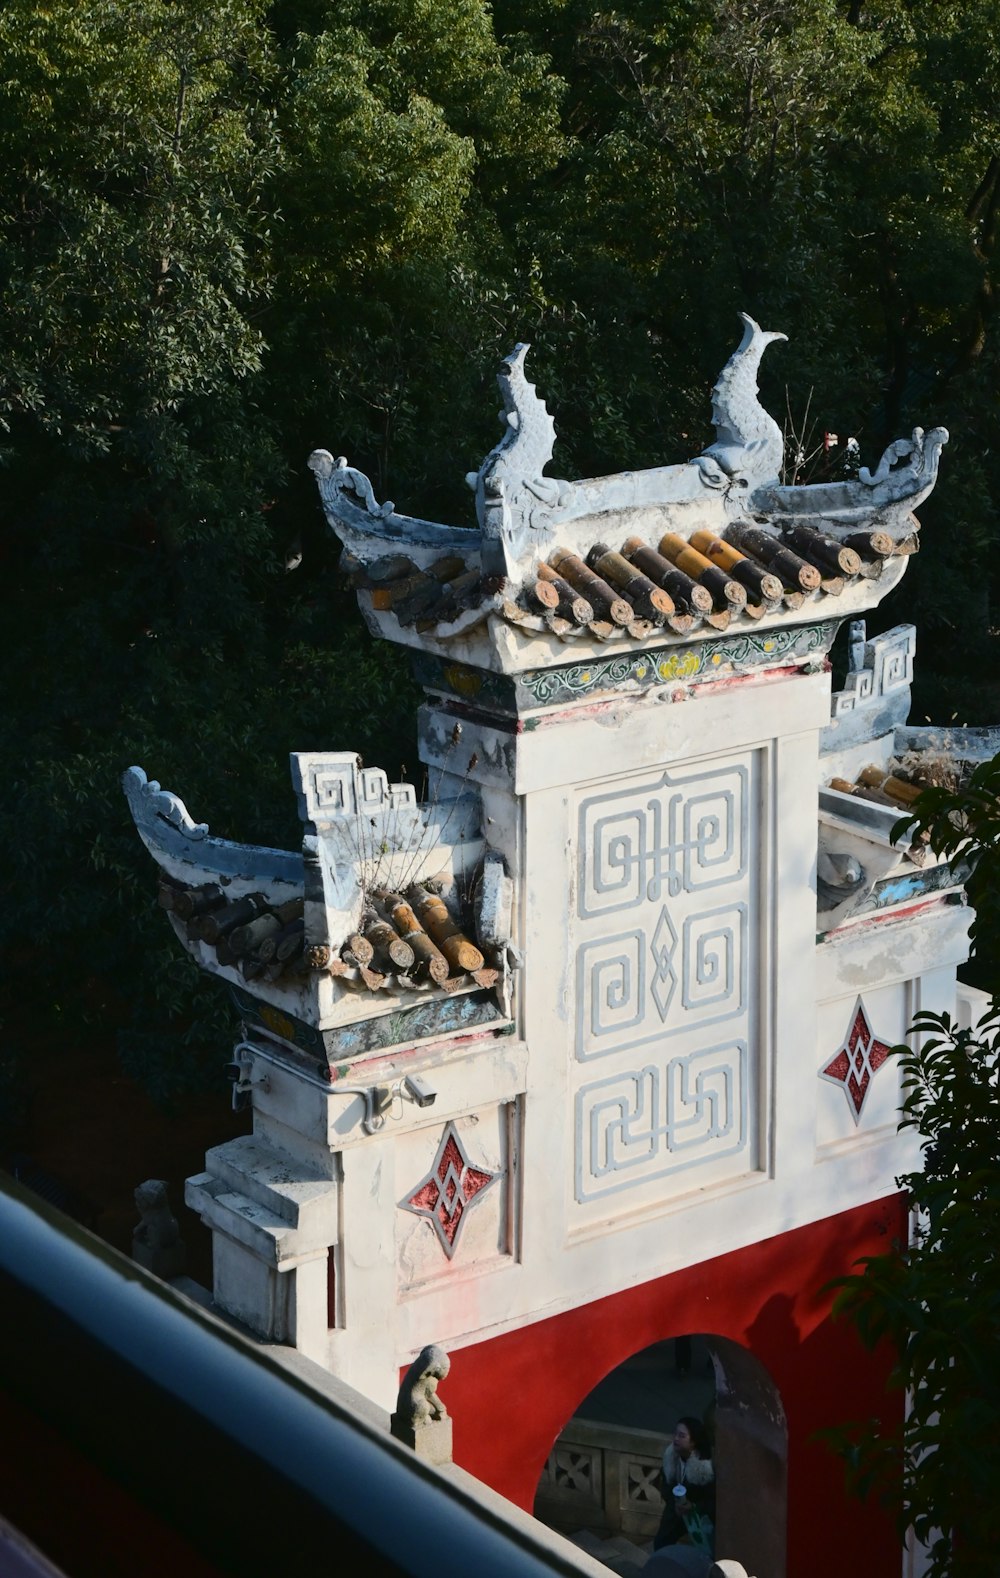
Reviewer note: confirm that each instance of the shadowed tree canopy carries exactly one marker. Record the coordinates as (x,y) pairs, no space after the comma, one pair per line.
(232,231)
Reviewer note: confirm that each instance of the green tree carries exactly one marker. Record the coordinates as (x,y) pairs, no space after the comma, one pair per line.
(937,1300)
(231,231)
(132,245)
(411,137)
(832,168)
(228,233)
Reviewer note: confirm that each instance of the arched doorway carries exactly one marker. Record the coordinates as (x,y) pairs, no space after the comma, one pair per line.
(751,1461)
(601,1482)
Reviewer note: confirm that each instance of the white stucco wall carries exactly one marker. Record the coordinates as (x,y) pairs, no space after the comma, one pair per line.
(661,1099)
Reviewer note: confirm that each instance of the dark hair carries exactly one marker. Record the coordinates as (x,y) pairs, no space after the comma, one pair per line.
(699,1435)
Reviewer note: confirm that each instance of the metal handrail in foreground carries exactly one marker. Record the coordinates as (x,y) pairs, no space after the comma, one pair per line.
(143,1421)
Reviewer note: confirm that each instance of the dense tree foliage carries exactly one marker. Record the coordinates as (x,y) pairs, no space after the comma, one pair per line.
(233,230)
(937,1300)
(225,237)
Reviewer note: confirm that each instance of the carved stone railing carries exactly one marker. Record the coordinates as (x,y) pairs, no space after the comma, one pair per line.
(603,1477)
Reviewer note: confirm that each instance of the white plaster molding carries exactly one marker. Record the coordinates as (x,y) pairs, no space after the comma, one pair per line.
(486,1071)
(886,951)
(972,1005)
(876,694)
(640,732)
(265,1201)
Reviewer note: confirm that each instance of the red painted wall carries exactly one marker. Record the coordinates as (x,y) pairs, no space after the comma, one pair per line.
(510,1397)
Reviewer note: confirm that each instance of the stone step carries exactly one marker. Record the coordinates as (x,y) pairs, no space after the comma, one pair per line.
(274,1241)
(628,1548)
(593,1544)
(618,1553)
(286,1188)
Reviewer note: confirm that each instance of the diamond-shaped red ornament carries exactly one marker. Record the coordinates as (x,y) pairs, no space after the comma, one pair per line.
(448,1190)
(858,1061)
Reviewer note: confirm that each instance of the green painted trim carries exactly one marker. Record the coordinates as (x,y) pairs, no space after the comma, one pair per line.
(440,1015)
(693,662)
(697,661)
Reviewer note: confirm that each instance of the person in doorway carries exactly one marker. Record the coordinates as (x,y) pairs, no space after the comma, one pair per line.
(688,1488)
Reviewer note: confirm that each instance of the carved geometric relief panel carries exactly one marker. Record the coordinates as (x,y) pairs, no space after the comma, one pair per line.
(650,1122)
(642,1483)
(612,992)
(574,1471)
(665,953)
(679,832)
(642,985)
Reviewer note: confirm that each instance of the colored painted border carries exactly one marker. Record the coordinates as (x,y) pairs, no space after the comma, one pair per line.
(440,1016)
(692,663)
(907,888)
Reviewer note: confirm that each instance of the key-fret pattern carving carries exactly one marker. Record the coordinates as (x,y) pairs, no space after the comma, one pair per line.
(666,883)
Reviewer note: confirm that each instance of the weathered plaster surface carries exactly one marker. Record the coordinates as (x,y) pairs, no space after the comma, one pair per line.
(662,1099)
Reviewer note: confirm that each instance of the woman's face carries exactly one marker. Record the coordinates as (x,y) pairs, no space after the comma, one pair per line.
(682,1440)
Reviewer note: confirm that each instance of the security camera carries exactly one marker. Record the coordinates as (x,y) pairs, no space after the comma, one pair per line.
(417,1091)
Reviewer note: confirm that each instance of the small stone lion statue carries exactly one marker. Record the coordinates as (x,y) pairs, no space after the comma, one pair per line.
(421,1420)
(418,1400)
(157,1242)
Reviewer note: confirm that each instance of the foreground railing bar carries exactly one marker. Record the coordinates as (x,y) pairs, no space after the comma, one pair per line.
(260,1474)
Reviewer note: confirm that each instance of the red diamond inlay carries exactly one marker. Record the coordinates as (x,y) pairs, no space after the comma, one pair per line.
(858,1061)
(427,1197)
(451,1186)
(474,1180)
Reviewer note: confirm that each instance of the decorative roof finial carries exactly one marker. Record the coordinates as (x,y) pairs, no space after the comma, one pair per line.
(748,441)
(510,481)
